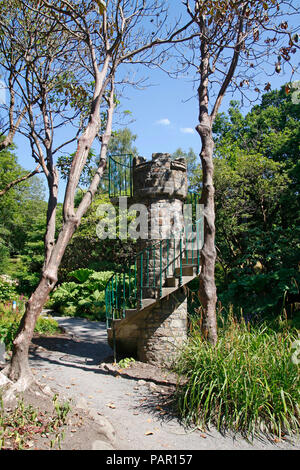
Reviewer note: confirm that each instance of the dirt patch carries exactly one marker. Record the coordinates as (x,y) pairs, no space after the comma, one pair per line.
(43,429)
(158,379)
(81,429)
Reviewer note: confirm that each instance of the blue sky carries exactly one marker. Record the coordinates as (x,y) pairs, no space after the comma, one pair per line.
(164,116)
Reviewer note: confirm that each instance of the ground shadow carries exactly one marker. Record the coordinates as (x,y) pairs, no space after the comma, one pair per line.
(92,352)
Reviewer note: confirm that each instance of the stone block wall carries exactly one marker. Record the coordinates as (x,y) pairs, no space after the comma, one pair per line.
(159,177)
(164,330)
(155,335)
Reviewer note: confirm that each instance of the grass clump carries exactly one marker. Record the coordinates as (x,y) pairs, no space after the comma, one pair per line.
(248,382)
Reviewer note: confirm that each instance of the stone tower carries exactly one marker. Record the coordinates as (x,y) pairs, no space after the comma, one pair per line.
(156,327)
(161,185)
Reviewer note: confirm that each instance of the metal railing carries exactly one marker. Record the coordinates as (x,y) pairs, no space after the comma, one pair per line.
(146,275)
(120,175)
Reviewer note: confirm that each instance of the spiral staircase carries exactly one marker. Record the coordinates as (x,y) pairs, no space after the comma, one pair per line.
(155,272)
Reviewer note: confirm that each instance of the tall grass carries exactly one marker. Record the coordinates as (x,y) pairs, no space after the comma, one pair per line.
(248,382)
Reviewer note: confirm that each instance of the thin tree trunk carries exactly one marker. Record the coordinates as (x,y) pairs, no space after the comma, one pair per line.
(207,292)
(18,369)
(207,287)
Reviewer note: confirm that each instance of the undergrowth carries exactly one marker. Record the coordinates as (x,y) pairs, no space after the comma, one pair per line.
(248,382)
(22,425)
(10,319)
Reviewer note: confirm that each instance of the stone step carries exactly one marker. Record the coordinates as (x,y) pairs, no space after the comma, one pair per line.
(187,279)
(167,291)
(190,253)
(171,281)
(174,281)
(187,270)
(147,303)
(116,321)
(190,261)
(130,312)
(189,273)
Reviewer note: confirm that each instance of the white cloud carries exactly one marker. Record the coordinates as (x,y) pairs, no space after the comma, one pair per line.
(164,122)
(187,130)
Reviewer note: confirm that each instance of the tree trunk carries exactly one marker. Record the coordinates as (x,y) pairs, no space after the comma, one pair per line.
(207,292)
(207,287)
(19,368)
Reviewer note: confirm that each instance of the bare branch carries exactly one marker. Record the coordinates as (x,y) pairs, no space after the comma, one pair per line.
(19,180)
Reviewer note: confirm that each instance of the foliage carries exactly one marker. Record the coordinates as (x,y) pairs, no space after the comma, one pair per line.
(85,250)
(85,298)
(121,142)
(19,426)
(81,275)
(191,160)
(10,320)
(4,250)
(8,289)
(22,227)
(126,362)
(28,265)
(19,206)
(257,204)
(8,331)
(247,382)
(45,325)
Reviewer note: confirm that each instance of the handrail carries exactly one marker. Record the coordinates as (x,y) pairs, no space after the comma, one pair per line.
(120,155)
(120,175)
(124,289)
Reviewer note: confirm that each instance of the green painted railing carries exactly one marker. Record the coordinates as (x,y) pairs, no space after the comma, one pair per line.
(147,273)
(120,175)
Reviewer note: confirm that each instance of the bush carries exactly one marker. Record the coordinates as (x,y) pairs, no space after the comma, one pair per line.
(248,382)
(7,289)
(85,297)
(47,326)
(10,320)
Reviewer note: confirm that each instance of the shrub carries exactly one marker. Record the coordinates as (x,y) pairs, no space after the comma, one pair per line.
(7,289)
(85,298)
(47,326)
(247,382)
(10,320)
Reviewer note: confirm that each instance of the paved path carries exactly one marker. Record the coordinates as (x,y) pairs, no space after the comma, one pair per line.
(71,367)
